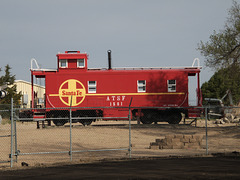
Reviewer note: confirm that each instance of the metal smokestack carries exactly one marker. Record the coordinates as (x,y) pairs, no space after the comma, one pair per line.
(109,59)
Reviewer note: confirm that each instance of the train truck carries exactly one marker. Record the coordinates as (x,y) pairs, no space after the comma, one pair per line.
(157,94)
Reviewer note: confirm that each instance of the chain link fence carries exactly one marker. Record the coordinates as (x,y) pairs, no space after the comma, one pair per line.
(7,135)
(68,135)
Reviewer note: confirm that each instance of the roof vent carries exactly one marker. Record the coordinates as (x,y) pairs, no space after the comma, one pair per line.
(72,52)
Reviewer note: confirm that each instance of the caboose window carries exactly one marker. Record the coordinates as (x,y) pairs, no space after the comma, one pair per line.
(172,85)
(63,63)
(92,86)
(141,85)
(80,63)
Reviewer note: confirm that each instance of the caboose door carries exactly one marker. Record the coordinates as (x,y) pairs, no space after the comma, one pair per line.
(192,91)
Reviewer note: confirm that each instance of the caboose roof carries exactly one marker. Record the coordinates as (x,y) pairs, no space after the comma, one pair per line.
(129,68)
(145,68)
(71,55)
(76,54)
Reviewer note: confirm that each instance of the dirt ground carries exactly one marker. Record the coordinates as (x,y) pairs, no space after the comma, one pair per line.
(92,158)
(155,168)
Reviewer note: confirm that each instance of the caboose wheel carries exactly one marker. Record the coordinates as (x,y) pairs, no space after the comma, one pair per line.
(148,118)
(174,117)
(86,122)
(59,122)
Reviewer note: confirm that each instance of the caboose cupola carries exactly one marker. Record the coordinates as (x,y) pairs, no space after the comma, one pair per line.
(72,60)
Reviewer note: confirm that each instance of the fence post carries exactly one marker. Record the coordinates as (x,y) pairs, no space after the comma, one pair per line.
(70,119)
(15,134)
(130,138)
(11,117)
(206,131)
(70,152)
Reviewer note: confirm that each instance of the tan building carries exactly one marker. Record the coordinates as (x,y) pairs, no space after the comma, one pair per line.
(26,89)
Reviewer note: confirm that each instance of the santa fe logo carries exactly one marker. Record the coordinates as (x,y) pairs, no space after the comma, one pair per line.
(71,90)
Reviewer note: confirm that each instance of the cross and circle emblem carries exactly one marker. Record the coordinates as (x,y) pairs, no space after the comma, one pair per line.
(71,92)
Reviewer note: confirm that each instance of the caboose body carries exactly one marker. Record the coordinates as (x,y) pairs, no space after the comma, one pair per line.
(156,94)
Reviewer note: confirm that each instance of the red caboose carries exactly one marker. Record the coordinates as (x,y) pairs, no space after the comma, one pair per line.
(73,84)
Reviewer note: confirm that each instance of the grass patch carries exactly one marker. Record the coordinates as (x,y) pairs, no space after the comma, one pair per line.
(4,121)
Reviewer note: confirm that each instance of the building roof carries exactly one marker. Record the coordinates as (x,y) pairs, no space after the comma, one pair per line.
(25,82)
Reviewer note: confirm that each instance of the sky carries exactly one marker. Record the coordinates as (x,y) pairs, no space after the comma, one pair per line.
(140,33)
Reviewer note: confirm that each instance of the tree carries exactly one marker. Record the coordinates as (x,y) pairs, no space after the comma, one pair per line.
(222,53)
(219,83)
(11,90)
(223,48)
